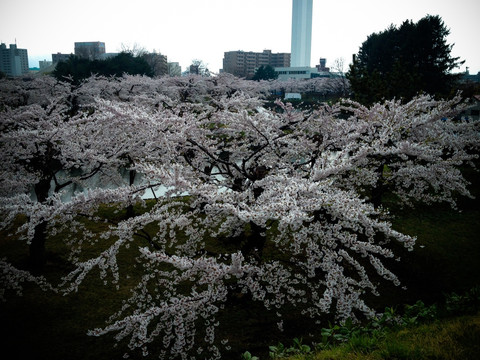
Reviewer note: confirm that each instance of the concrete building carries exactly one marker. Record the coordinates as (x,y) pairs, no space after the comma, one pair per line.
(323,65)
(13,61)
(56,58)
(245,63)
(301,33)
(174,69)
(89,50)
(44,64)
(286,73)
(305,72)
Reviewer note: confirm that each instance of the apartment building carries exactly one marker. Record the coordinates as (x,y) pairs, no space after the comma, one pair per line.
(13,61)
(89,50)
(56,58)
(245,63)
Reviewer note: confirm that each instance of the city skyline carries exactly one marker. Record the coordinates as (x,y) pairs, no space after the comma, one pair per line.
(185,30)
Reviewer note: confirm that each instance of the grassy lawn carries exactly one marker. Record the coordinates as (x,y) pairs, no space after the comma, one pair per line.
(449,339)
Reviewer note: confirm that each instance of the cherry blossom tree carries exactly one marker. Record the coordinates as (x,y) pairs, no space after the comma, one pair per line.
(31,160)
(54,147)
(419,148)
(281,205)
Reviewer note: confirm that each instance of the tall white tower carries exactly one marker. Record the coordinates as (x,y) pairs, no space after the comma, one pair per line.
(301,33)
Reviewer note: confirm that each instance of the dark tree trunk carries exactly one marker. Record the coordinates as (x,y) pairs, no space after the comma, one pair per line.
(130,210)
(254,242)
(379,189)
(38,256)
(37,246)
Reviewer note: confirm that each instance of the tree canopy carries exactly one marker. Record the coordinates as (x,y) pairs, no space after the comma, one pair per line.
(403,62)
(198,67)
(77,69)
(265,72)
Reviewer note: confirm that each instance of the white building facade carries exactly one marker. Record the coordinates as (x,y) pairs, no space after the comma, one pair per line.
(301,33)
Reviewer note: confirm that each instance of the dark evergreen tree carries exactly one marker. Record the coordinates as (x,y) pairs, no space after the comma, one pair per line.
(265,72)
(75,69)
(402,62)
(127,63)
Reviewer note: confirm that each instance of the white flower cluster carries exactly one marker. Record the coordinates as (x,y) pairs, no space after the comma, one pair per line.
(12,279)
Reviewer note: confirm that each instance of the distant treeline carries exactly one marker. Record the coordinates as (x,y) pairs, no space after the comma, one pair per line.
(75,69)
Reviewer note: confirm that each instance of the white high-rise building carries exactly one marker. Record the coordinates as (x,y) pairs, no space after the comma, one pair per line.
(302,47)
(301,33)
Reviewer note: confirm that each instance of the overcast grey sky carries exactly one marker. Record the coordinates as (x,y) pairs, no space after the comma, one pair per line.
(184,30)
